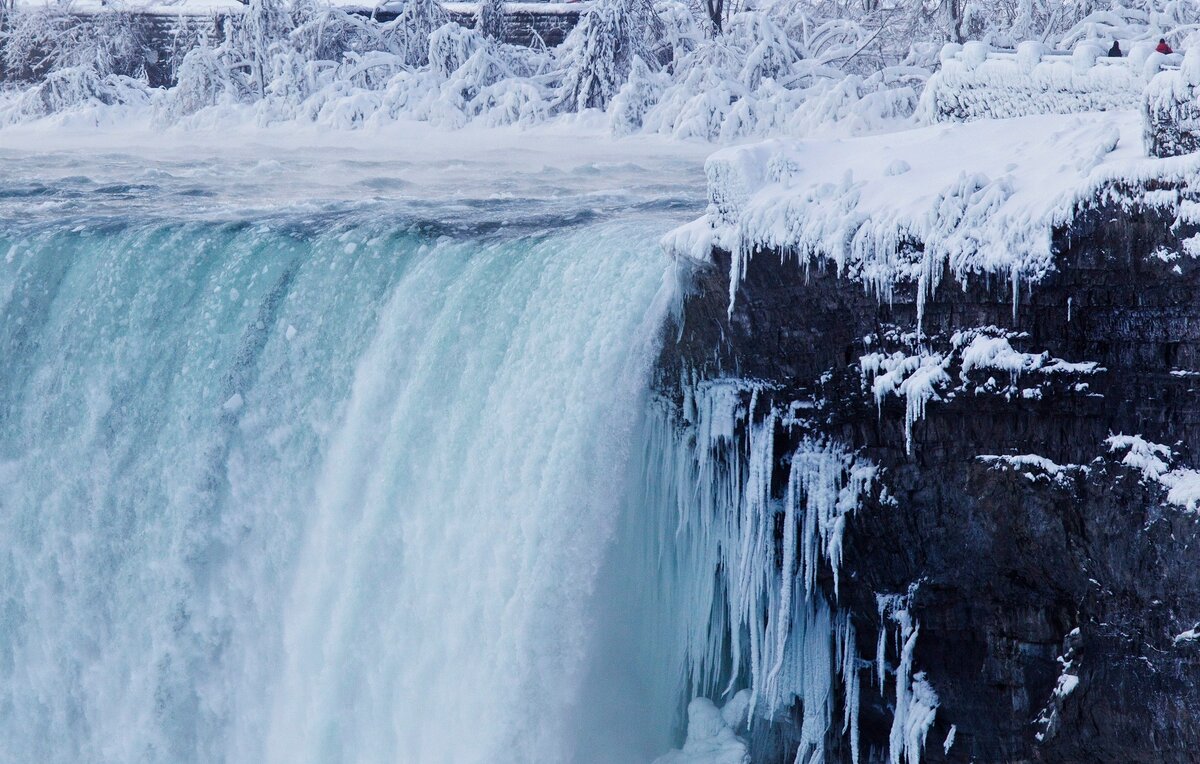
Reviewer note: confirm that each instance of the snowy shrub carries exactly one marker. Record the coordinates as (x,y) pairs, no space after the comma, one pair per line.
(71,89)
(639,93)
(342,106)
(682,29)
(512,102)
(204,80)
(372,70)
(450,46)
(328,33)
(37,41)
(408,35)
(769,52)
(1172,110)
(705,90)
(258,36)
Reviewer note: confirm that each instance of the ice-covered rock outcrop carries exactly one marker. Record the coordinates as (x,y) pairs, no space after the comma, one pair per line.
(1034,482)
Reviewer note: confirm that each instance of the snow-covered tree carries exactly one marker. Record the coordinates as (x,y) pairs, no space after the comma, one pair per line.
(409,33)
(35,42)
(491,19)
(598,55)
(264,26)
(636,97)
(204,80)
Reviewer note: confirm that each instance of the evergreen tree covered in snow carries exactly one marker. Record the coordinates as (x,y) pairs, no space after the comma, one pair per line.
(600,51)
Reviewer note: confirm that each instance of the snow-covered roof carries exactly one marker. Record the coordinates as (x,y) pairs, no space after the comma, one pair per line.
(981,196)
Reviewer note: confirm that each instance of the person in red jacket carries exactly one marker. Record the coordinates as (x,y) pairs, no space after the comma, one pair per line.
(1163,47)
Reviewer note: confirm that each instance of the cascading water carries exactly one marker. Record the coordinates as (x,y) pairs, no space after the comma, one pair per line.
(313,486)
(385,481)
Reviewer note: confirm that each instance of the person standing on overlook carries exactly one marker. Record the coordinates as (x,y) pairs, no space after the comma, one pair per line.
(1115,50)
(1163,47)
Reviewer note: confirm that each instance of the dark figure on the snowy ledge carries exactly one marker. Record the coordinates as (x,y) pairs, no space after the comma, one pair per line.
(1115,50)
(1163,47)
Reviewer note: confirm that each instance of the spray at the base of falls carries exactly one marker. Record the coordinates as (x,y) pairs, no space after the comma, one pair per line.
(744,539)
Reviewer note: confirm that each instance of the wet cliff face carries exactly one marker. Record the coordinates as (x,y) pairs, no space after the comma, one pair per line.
(1049,594)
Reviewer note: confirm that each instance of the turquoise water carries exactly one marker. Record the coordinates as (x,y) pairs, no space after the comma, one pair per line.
(325,482)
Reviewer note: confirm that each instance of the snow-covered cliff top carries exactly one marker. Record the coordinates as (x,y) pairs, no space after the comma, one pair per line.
(983,196)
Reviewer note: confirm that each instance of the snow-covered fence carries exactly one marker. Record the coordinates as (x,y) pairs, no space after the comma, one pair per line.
(1172,109)
(975,82)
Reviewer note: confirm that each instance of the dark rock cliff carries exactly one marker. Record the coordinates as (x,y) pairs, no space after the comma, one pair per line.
(1006,563)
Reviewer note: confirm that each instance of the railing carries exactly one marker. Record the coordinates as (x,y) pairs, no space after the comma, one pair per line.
(1172,110)
(978,82)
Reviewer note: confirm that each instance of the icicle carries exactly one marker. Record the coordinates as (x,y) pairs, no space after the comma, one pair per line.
(1016,291)
(916,701)
(760,621)
(851,689)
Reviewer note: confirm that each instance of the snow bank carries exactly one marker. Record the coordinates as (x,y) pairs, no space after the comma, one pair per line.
(974,199)
(711,737)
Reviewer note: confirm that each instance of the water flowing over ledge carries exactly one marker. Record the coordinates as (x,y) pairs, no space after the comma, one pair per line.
(324,485)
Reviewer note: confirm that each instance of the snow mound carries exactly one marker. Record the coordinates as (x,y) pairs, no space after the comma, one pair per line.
(711,737)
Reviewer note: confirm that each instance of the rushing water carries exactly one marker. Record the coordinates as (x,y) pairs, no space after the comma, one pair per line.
(322,459)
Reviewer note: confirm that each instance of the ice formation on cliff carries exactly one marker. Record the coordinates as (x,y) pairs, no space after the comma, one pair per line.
(771,532)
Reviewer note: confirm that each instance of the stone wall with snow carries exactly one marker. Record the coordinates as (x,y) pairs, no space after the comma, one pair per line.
(1036,512)
(975,82)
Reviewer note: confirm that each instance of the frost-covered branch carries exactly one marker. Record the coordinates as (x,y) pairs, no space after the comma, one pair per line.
(781,67)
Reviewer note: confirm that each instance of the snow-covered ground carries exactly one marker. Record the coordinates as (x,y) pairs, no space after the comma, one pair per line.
(982,196)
